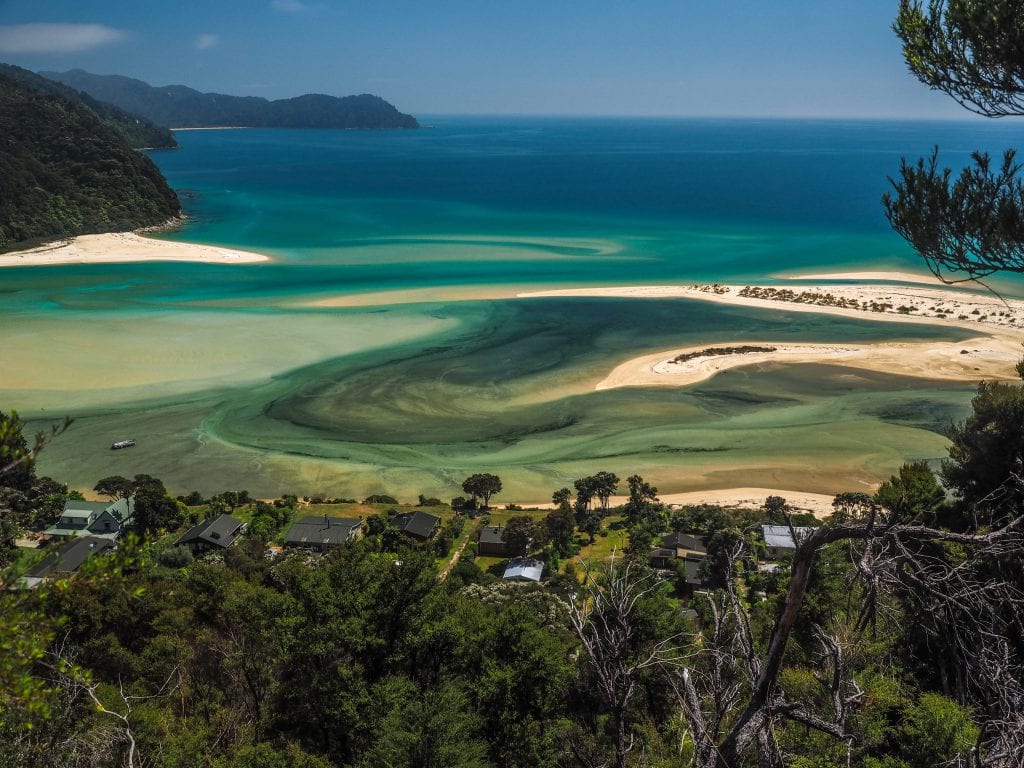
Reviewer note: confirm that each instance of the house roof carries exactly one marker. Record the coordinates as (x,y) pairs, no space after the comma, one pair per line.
(680,540)
(220,531)
(662,552)
(781,536)
(419,524)
(70,556)
(691,571)
(84,516)
(321,530)
(492,534)
(524,569)
(75,508)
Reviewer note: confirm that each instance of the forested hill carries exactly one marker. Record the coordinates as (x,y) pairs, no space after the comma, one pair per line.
(63,172)
(138,132)
(180,107)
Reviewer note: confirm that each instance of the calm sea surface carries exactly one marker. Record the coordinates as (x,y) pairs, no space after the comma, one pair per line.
(230,376)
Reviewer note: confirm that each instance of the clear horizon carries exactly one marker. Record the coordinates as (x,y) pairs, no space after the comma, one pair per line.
(669,58)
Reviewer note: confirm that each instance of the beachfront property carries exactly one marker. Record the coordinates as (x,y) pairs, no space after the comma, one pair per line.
(684,549)
(67,560)
(779,540)
(104,519)
(320,534)
(491,542)
(419,525)
(524,569)
(218,532)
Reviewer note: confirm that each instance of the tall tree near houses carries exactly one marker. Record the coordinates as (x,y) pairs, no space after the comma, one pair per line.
(970,226)
(483,485)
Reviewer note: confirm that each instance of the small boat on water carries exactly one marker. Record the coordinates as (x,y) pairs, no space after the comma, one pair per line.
(122,444)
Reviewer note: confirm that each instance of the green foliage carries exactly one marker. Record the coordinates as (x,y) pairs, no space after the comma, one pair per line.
(936,731)
(912,493)
(483,485)
(969,49)
(63,173)
(987,448)
(17,466)
(380,498)
(971,226)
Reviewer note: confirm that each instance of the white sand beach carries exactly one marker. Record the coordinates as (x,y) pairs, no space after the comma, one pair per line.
(124,247)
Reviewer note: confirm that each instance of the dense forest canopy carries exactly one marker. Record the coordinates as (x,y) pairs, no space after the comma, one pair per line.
(137,131)
(180,107)
(63,172)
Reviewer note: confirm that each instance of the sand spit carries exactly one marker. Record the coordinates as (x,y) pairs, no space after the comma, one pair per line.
(124,247)
(990,355)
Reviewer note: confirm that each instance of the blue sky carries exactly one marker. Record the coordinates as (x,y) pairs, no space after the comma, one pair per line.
(782,58)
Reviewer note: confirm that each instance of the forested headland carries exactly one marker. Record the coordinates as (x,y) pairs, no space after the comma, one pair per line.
(137,131)
(64,172)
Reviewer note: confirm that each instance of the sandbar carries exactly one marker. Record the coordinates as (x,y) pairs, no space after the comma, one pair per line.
(991,355)
(124,247)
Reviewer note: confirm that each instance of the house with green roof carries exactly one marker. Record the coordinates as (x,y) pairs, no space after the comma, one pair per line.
(105,519)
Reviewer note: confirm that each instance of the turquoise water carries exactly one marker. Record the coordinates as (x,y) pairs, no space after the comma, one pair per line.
(226,375)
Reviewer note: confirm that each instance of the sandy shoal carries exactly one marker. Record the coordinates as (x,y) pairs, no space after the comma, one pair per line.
(877,276)
(124,247)
(991,355)
(819,504)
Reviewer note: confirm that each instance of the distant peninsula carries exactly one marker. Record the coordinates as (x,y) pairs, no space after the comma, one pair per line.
(178,106)
(64,171)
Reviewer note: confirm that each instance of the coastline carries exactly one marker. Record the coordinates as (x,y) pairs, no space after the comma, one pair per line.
(990,355)
(818,504)
(123,247)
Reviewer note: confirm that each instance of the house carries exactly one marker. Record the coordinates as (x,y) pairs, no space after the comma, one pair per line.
(779,540)
(681,549)
(104,519)
(68,559)
(320,533)
(419,525)
(492,542)
(218,532)
(685,545)
(524,569)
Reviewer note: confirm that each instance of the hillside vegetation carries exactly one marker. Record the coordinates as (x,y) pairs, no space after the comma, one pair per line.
(181,107)
(138,132)
(63,172)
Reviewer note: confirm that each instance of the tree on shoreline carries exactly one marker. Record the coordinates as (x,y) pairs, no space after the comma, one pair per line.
(483,485)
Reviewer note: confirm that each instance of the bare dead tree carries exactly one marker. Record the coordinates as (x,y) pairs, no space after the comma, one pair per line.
(604,618)
(983,612)
(75,684)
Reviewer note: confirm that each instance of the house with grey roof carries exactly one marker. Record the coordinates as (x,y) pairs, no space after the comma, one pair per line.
(218,532)
(419,525)
(524,569)
(68,559)
(491,542)
(320,533)
(684,549)
(105,519)
(779,539)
